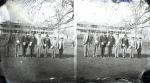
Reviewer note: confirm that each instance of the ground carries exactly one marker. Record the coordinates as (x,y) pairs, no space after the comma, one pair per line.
(92,68)
(26,69)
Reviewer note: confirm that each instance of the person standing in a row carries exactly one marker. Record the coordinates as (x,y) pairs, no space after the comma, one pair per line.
(17,44)
(132,47)
(124,45)
(61,46)
(110,44)
(46,44)
(54,47)
(139,46)
(25,41)
(96,44)
(86,43)
(117,45)
(33,42)
(103,42)
(39,44)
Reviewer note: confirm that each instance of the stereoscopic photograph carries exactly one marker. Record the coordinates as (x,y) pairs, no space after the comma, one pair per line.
(37,41)
(112,41)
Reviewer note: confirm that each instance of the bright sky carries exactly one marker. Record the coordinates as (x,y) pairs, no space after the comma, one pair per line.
(98,12)
(14,11)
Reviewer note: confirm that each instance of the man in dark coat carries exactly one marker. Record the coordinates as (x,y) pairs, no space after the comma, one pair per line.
(33,42)
(103,42)
(139,46)
(61,46)
(46,44)
(110,44)
(25,41)
(124,45)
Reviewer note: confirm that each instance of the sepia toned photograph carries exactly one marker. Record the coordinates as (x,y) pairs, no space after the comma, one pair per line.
(37,41)
(113,41)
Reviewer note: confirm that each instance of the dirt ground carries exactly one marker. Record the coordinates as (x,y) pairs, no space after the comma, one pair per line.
(92,68)
(44,69)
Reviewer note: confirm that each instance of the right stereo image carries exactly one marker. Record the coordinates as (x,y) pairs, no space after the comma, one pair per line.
(113,41)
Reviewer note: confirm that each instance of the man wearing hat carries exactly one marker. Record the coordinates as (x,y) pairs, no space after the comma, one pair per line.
(117,45)
(17,43)
(46,44)
(124,45)
(54,47)
(132,47)
(139,46)
(33,42)
(110,43)
(103,42)
(24,42)
(96,44)
(39,44)
(86,43)
(61,46)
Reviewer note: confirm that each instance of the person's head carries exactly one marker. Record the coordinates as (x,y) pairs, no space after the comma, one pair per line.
(62,38)
(88,31)
(133,38)
(47,35)
(39,34)
(54,38)
(111,33)
(140,38)
(125,35)
(117,35)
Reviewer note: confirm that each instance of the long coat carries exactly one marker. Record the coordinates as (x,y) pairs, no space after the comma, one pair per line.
(46,41)
(33,41)
(124,43)
(111,41)
(86,39)
(103,40)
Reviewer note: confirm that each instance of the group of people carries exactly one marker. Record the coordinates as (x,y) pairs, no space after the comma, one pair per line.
(35,41)
(119,44)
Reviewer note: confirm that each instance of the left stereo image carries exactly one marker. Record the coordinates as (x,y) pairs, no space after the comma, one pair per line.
(37,41)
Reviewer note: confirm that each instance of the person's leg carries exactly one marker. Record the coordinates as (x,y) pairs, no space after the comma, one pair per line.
(132,50)
(102,51)
(54,52)
(16,51)
(32,51)
(109,51)
(60,52)
(85,50)
(94,51)
(23,50)
(123,52)
(116,52)
(37,54)
(46,52)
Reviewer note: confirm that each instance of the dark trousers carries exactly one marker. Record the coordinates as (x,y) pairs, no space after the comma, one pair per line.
(7,51)
(46,50)
(139,52)
(31,50)
(109,51)
(61,52)
(102,51)
(24,50)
